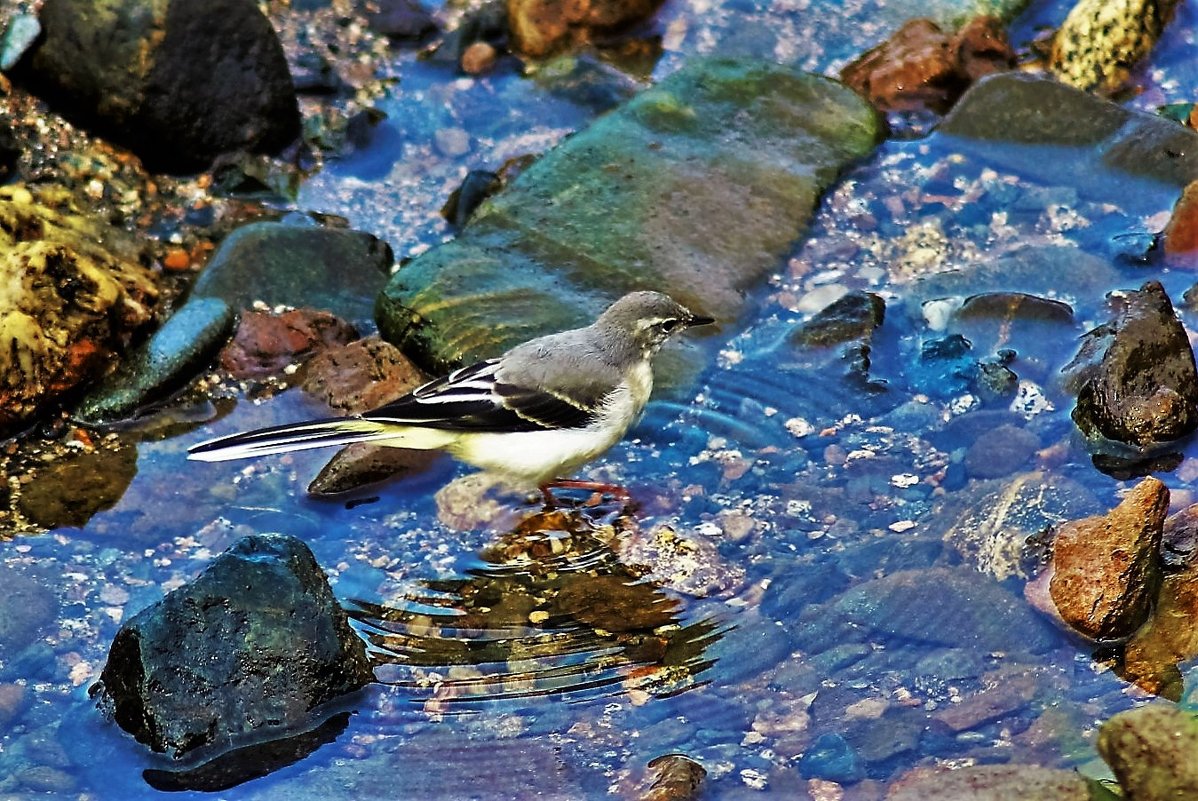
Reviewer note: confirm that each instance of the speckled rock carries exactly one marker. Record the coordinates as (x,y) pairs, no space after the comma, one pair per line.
(335,270)
(77,485)
(266,343)
(542,27)
(1105,569)
(178,81)
(1153,752)
(74,293)
(1135,377)
(178,351)
(697,186)
(992,783)
(1101,40)
(242,654)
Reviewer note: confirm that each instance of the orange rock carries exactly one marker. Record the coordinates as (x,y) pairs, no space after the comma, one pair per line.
(981,48)
(176,259)
(1105,568)
(479,58)
(1181,234)
(543,27)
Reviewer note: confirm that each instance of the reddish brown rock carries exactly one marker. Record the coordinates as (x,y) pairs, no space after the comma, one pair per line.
(1180,236)
(1169,637)
(1105,568)
(990,783)
(921,66)
(543,27)
(266,343)
(359,376)
(478,58)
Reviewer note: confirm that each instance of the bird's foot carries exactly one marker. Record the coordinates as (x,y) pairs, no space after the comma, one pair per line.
(598,488)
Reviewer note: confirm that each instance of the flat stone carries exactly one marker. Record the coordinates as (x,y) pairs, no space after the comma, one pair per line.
(77,485)
(697,187)
(991,783)
(1000,452)
(172,356)
(1153,752)
(335,270)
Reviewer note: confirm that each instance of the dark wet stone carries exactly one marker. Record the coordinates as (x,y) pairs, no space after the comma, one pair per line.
(992,783)
(667,217)
(945,606)
(312,74)
(240,655)
(360,375)
(1179,540)
(1135,377)
(12,702)
(178,81)
(543,27)
(266,343)
(1105,569)
(613,603)
(587,81)
(1005,697)
(20,33)
(1016,108)
(402,20)
(831,758)
(476,187)
(26,607)
(338,271)
(1152,657)
(77,485)
(1000,451)
(172,356)
(1100,42)
(487,23)
(897,732)
(1036,329)
(363,464)
(678,778)
(10,151)
(74,295)
(852,318)
(1153,752)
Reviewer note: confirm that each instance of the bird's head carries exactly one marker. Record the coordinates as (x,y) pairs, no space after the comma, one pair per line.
(649,319)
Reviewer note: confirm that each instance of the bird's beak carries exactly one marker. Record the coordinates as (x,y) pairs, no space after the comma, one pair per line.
(696,320)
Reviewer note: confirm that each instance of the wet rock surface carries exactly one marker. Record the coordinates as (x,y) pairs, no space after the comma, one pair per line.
(678,778)
(242,654)
(1105,569)
(179,81)
(173,355)
(538,258)
(1151,751)
(70,490)
(28,608)
(74,294)
(1100,42)
(266,343)
(993,783)
(1137,383)
(335,270)
(1155,654)
(542,27)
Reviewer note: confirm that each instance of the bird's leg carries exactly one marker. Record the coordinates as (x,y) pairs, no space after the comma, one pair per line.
(615,490)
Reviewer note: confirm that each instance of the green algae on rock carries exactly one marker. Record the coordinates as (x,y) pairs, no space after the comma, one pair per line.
(697,187)
(72,295)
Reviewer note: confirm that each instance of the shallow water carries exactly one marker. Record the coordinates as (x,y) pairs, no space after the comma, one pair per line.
(797,646)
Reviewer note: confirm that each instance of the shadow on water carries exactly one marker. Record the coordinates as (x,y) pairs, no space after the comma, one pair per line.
(549,610)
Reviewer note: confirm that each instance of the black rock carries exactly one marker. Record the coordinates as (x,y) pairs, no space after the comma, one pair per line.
(852,318)
(476,187)
(404,20)
(239,656)
(10,151)
(1135,377)
(179,81)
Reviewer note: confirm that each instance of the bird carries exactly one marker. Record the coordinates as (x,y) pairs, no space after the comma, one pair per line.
(530,416)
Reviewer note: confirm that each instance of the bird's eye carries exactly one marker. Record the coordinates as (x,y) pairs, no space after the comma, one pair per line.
(668,325)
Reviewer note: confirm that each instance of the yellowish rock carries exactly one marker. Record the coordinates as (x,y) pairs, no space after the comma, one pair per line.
(1101,40)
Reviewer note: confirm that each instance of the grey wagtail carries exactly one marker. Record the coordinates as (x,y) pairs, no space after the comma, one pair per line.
(531,416)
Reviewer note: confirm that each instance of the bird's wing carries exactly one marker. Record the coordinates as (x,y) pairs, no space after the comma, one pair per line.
(476,398)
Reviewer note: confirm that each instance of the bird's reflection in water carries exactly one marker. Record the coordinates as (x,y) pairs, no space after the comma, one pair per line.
(548,610)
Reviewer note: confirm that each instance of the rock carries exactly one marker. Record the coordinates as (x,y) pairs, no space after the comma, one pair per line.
(944,606)
(74,293)
(265,343)
(1137,383)
(401,20)
(19,35)
(10,151)
(852,318)
(1113,144)
(12,703)
(1035,328)
(26,607)
(487,23)
(69,490)
(1000,452)
(652,195)
(360,376)
(242,654)
(613,603)
(920,66)
(361,464)
(1152,656)
(1000,700)
(479,58)
(476,187)
(991,783)
(167,361)
(177,81)
(1180,237)
(1105,569)
(46,779)
(541,28)
(1152,752)
(831,758)
(678,779)
(338,271)
(1179,540)
(1100,41)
